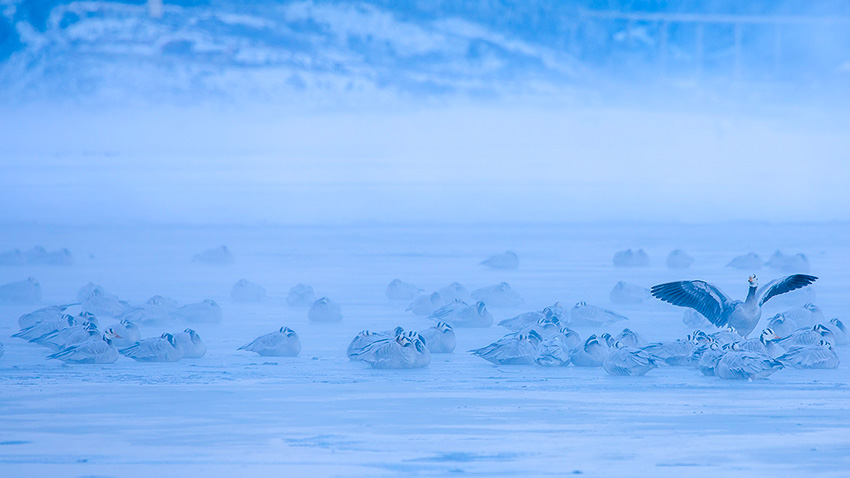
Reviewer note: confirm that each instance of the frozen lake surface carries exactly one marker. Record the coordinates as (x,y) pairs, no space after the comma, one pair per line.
(232,413)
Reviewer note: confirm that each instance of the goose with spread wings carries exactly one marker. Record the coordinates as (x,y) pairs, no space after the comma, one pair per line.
(719,308)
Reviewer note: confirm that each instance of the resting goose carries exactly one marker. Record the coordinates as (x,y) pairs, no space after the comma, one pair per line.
(97,351)
(440,338)
(818,355)
(513,349)
(625,360)
(405,351)
(741,365)
(283,343)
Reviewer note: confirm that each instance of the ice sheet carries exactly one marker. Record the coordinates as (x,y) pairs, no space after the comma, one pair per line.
(320,414)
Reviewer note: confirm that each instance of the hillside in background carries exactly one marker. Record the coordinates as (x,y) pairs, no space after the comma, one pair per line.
(320,52)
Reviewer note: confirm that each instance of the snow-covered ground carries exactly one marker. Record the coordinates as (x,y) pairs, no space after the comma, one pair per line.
(232,413)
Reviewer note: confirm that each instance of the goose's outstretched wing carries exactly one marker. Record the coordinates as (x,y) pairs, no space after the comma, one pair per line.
(699,295)
(786,284)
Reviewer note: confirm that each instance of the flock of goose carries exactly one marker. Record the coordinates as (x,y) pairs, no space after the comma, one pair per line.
(547,338)
(798,338)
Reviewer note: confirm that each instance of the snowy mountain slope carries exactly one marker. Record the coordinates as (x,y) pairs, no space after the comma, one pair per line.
(378,49)
(301,46)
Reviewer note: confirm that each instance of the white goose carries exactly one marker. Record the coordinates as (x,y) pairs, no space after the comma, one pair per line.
(455,291)
(513,349)
(156,349)
(783,326)
(283,343)
(401,290)
(440,338)
(805,316)
(526,319)
(193,346)
(557,350)
(818,355)
(324,310)
(100,350)
(362,342)
(68,337)
(405,351)
(807,336)
(46,327)
(584,315)
(629,337)
(301,295)
(207,311)
(591,353)
(677,352)
(836,326)
(53,312)
(719,308)
(126,334)
(740,365)
(628,361)
(461,314)
(710,358)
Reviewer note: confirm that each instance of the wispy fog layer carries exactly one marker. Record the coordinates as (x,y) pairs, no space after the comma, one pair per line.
(337,112)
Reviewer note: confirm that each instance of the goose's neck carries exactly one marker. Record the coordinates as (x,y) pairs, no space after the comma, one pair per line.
(751,296)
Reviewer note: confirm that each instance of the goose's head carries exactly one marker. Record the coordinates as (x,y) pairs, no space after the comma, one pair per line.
(417,340)
(443,327)
(767,335)
(753,280)
(110,333)
(553,310)
(549,322)
(698,336)
(591,342)
(568,331)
